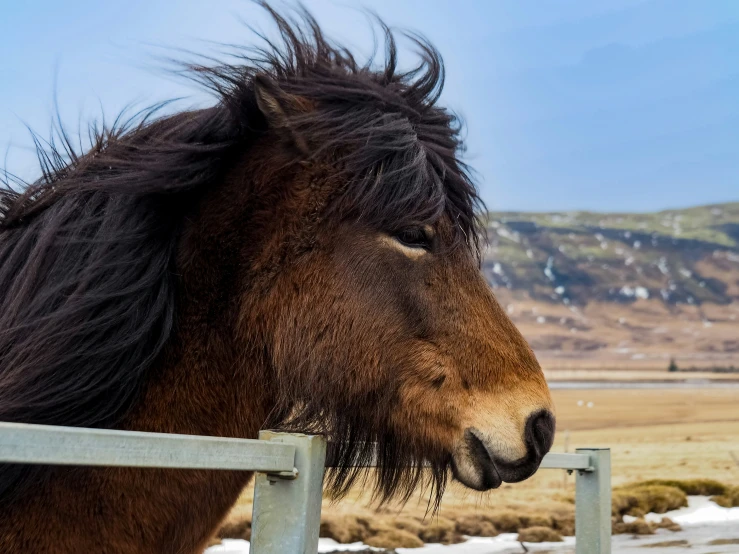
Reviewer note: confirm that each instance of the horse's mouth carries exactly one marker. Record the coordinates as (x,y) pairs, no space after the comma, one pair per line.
(476,466)
(473,466)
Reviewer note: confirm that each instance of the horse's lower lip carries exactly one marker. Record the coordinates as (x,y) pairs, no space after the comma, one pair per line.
(487,476)
(491,477)
(490,474)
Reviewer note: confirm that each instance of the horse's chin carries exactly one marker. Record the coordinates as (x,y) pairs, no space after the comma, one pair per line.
(474,468)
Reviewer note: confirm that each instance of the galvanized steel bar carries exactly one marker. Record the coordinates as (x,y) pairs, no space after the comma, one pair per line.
(287,512)
(48,444)
(557,460)
(288,489)
(553,460)
(593,504)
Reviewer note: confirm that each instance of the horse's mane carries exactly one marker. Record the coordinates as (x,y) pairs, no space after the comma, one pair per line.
(88,286)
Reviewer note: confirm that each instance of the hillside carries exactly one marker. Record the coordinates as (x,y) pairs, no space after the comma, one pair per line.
(613,290)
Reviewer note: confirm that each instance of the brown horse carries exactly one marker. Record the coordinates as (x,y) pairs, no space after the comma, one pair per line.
(303,255)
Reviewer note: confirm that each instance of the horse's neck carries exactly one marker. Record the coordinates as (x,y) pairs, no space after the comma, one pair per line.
(199,388)
(206,385)
(212,378)
(203,388)
(209,381)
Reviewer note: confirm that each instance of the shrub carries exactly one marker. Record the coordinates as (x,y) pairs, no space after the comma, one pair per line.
(723,542)
(539,534)
(702,487)
(343,529)
(730,499)
(410,524)
(235,530)
(667,523)
(506,522)
(642,498)
(536,520)
(636,527)
(394,538)
(664,544)
(440,529)
(476,526)
(564,522)
(373,524)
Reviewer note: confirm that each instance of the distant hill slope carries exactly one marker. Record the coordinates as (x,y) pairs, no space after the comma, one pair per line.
(593,288)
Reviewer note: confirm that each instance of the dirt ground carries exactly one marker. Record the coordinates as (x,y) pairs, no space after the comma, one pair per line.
(645,334)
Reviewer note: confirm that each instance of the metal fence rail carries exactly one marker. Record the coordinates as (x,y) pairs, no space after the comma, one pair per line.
(288,485)
(46,444)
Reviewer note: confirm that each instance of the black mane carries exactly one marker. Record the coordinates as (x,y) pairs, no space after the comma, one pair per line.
(87,283)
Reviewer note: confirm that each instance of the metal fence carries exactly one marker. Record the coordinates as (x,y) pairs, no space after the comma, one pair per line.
(289,478)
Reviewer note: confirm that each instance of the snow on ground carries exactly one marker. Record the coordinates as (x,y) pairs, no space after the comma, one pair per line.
(700,510)
(503,543)
(330,545)
(702,522)
(230,546)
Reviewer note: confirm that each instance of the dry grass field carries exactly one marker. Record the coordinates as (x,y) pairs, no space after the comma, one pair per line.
(663,433)
(634,374)
(615,409)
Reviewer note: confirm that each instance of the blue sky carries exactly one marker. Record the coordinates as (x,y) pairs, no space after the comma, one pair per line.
(614,105)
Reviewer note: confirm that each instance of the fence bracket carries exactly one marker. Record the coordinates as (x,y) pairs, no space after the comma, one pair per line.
(287,505)
(283,475)
(593,503)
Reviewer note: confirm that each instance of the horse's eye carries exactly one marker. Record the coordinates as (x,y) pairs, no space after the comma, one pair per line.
(415,237)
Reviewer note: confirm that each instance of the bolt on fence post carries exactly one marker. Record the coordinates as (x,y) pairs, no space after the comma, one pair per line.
(593,504)
(287,508)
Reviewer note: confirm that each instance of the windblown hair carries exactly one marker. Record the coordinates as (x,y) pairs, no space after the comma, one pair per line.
(88,283)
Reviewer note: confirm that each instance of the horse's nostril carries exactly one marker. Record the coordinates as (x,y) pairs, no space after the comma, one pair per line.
(540,432)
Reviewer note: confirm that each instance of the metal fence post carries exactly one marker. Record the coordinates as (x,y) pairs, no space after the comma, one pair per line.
(287,509)
(593,503)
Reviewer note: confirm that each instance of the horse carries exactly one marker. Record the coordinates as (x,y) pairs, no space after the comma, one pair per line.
(302,255)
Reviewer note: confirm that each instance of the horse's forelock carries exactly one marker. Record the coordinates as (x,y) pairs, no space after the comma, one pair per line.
(378,125)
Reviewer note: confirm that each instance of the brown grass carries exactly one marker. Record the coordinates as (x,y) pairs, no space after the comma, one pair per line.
(476,525)
(394,538)
(703,487)
(623,408)
(639,500)
(730,499)
(637,527)
(667,523)
(440,529)
(721,542)
(343,529)
(662,544)
(539,534)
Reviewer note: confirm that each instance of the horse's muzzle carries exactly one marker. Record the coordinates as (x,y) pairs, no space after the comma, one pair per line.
(477,465)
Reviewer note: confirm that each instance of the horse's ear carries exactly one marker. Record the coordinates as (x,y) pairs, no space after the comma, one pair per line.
(278,107)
